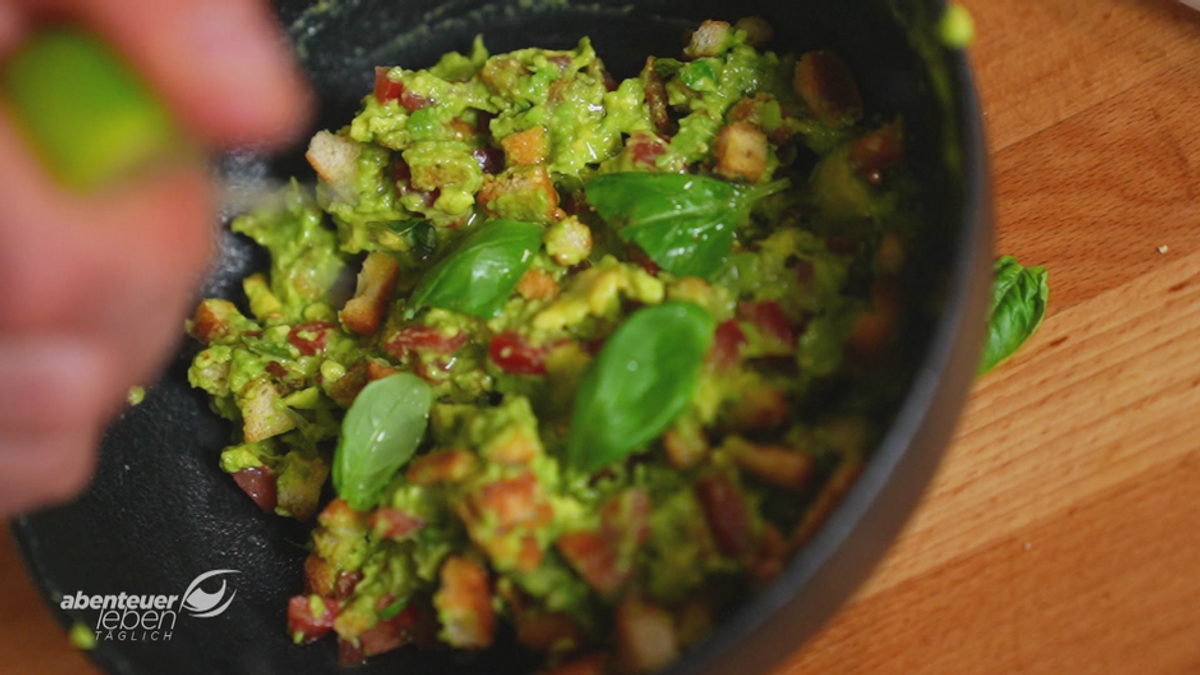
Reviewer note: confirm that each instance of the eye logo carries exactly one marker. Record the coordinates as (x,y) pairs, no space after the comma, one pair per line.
(203,604)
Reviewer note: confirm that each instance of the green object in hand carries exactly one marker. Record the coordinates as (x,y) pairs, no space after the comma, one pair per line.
(88,114)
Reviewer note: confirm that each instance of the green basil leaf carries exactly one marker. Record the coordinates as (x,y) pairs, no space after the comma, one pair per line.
(642,379)
(480,275)
(1018,306)
(684,223)
(380,433)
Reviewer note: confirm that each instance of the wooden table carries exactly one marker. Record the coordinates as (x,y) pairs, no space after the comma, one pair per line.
(1062,534)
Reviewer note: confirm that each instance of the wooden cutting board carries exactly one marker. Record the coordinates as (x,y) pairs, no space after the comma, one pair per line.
(1062,534)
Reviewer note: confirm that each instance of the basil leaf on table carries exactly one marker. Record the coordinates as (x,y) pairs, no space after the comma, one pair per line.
(684,223)
(1018,306)
(380,433)
(478,277)
(642,379)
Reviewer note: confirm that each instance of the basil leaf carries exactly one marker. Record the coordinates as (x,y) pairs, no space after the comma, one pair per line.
(1018,306)
(641,380)
(684,223)
(480,275)
(380,433)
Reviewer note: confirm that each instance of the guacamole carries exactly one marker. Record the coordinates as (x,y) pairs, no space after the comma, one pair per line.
(592,381)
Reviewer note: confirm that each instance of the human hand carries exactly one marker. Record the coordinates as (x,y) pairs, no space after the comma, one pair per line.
(94,289)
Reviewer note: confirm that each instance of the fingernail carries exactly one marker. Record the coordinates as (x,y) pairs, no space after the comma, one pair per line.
(49,383)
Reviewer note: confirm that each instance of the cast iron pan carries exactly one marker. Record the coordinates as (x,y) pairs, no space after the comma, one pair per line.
(160,512)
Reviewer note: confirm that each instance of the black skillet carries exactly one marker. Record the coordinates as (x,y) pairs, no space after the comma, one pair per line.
(160,512)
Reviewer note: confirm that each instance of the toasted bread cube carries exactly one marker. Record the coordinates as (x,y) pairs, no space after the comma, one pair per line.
(364,312)
(526,148)
(537,284)
(335,159)
(786,468)
(741,151)
(442,466)
(758,31)
(464,605)
(710,39)
(263,414)
(524,193)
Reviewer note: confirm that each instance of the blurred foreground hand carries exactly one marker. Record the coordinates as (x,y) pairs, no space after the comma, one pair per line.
(94,286)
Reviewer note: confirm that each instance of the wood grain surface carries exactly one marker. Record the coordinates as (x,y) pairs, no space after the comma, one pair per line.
(1062,534)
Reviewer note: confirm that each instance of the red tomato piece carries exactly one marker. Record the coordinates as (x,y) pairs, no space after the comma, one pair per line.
(349,654)
(346,583)
(491,160)
(259,483)
(769,319)
(645,149)
(302,621)
(309,337)
(392,633)
(423,338)
(394,523)
(727,515)
(513,354)
(413,101)
(385,89)
(402,172)
(727,345)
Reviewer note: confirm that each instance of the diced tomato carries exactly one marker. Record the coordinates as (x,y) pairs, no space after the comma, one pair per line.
(513,354)
(644,149)
(350,655)
(563,61)
(877,151)
(593,347)
(728,518)
(385,89)
(276,368)
(603,557)
(401,172)
(771,322)
(594,557)
(259,483)
(423,338)
(301,620)
(394,523)
(309,337)
(414,101)
(392,633)
(727,345)
(491,160)
(346,583)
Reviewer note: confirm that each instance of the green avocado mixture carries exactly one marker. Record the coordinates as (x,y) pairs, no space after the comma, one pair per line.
(591,382)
